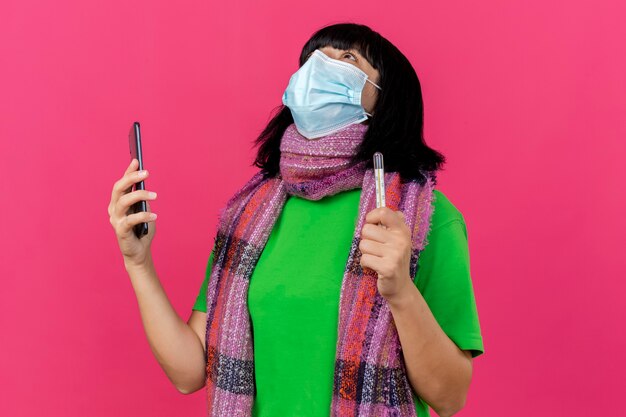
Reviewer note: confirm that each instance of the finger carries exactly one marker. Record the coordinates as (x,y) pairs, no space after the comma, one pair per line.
(369,262)
(124,184)
(126,223)
(127,200)
(134,164)
(372,247)
(375,232)
(386,217)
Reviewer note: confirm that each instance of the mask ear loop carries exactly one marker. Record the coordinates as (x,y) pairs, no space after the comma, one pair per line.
(375,85)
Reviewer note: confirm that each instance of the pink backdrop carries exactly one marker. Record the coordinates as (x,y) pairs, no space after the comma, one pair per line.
(526,99)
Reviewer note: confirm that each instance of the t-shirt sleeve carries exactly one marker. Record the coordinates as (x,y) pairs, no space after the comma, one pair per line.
(200,303)
(443,278)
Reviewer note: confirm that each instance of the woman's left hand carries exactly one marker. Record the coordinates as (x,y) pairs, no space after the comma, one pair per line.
(387,250)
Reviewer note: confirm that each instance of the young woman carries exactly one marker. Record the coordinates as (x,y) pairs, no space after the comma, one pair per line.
(317,302)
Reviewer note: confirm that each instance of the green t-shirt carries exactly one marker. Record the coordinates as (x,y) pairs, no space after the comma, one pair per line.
(294,290)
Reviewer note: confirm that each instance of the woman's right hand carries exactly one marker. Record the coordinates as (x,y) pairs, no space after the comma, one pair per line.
(136,251)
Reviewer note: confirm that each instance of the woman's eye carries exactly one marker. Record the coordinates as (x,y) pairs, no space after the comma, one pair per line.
(349,54)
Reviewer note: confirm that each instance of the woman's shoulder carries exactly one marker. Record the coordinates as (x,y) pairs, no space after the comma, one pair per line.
(444,211)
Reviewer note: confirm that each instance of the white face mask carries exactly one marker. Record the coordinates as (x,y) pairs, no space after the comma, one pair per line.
(324,95)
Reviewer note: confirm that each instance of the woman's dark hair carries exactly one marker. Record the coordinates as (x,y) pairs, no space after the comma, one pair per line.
(397,125)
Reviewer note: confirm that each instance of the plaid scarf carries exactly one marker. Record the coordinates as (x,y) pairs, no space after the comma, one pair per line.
(370,375)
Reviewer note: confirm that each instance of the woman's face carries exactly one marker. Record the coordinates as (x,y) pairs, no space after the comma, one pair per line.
(351,56)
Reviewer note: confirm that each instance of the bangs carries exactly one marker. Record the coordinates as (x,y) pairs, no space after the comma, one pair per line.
(345,37)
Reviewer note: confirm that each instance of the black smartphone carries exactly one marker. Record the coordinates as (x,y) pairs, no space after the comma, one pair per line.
(134,142)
